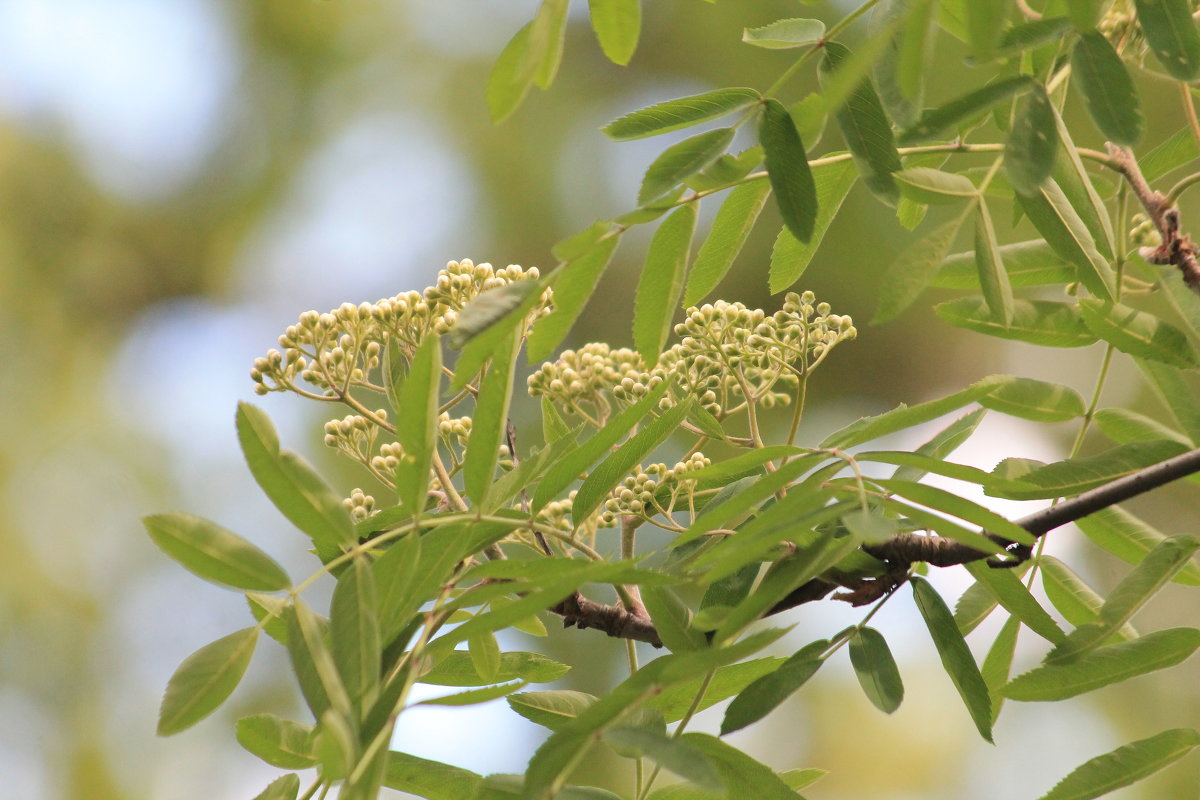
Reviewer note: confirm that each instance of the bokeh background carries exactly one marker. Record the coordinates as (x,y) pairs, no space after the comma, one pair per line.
(178,181)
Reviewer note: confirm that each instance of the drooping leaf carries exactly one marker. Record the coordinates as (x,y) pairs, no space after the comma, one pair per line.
(934,122)
(1171,33)
(682,160)
(204,680)
(1036,400)
(993,278)
(998,662)
(573,288)
(489,423)
(1032,143)
(675,702)
(1130,539)
(790,257)
(1107,88)
(612,470)
(1176,394)
(933,186)
(292,485)
(671,115)
(1030,34)
(489,310)
(865,127)
(672,619)
(785,33)
(675,754)
(547,37)
(876,669)
(767,692)
(740,773)
(215,553)
(430,779)
(729,232)
(1011,593)
(553,709)
(1138,333)
(1125,765)
(618,24)
(279,742)
(788,170)
(1054,217)
(661,283)
(1105,666)
(955,655)
(313,664)
(1123,426)
(512,75)
(1176,150)
(1040,322)
(912,270)
(416,428)
(899,72)
(1080,192)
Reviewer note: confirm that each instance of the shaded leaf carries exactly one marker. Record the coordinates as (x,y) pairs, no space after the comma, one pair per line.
(681,160)
(900,71)
(998,662)
(1107,88)
(673,753)
(993,278)
(1125,765)
(1060,224)
(1011,593)
(1075,475)
(985,21)
(766,693)
(416,428)
(876,669)
(1032,263)
(354,632)
(1039,401)
(573,287)
(935,121)
(1032,143)
(912,270)
(1130,539)
(553,709)
(1138,333)
(430,779)
(741,774)
(927,185)
(788,170)
(1171,33)
(1040,322)
(458,669)
(489,422)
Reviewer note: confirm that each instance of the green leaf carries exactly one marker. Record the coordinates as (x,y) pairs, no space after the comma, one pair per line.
(1171,33)
(314,665)
(788,170)
(912,270)
(904,416)
(1138,333)
(1076,185)
(489,309)
(926,185)
(933,122)
(1104,666)
(1039,401)
(612,470)
(512,75)
(675,754)
(1134,591)
(416,424)
(1011,593)
(458,669)
(785,33)
(876,669)
(865,127)
(680,161)
(790,257)
(578,244)
(548,33)
(1085,13)
(1126,764)
(1074,599)
(1032,142)
(553,709)
(1032,263)
(672,619)
(430,779)
(484,653)
(215,553)
(292,485)
(570,463)
(269,605)
(729,232)
(955,655)
(1060,224)
(1075,475)
(1026,36)
(489,423)
(974,606)
(1130,539)
(204,680)
(993,278)
(1107,88)
(573,286)
(952,504)
(279,742)
(285,787)
(661,282)
(472,697)
(899,73)
(675,702)
(998,662)
(942,444)
(683,112)
(1040,322)
(354,632)
(617,24)
(1176,394)
(985,21)
(743,776)
(1176,150)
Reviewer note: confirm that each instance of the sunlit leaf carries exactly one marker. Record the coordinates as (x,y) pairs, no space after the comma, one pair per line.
(661,283)
(1011,593)
(1075,475)
(681,160)
(1138,333)
(1125,765)
(215,553)
(279,742)
(1039,401)
(573,288)
(618,24)
(683,112)
(1129,538)
(458,669)
(285,787)
(766,693)
(552,709)
(998,662)
(729,232)
(416,428)
(489,422)
(430,779)
(675,754)
(1040,322)
(354,631)
(204,680)
(785,33)
(1074,599)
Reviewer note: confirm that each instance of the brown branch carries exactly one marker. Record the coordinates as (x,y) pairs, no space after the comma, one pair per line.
(1176,248)
(615,620)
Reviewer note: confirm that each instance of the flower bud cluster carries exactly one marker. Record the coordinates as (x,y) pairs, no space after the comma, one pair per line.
(1143,233)
(652,490)
(339,349)
(727,354)
(360,505)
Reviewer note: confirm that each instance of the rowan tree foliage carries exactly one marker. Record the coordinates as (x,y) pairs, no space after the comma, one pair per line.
(467,525)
